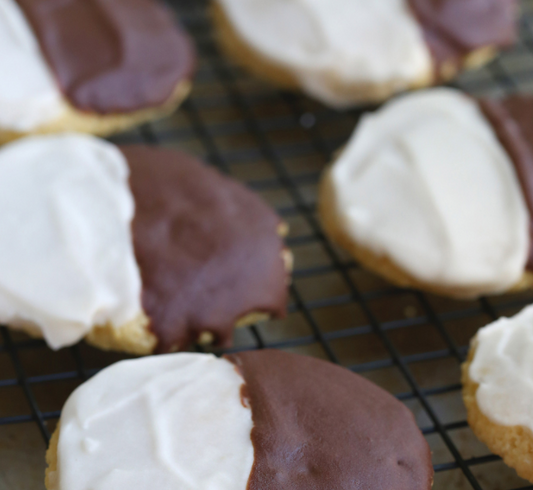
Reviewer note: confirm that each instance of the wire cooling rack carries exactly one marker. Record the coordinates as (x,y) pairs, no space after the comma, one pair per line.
(410,343)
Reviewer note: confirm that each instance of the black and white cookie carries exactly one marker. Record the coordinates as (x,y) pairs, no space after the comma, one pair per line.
(434,191)
(252,421)
(344,52)
(136,248)
(96,66)
(498,389)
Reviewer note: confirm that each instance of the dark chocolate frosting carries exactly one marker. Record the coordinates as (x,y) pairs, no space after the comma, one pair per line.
(207,248)
(512,120)
(454,28)
(112,56)
(318,426)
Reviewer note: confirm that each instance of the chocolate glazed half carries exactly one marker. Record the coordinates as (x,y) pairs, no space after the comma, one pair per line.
(512,120)
(455,28)
(207,248)
(112,56)
(319,426)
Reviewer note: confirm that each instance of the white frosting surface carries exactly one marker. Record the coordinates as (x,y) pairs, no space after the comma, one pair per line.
(425,181)
(29,96)
(503,368)
(332,46)
(166,422)
(66,260)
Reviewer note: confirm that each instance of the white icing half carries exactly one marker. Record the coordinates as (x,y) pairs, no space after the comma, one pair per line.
(29,96)
(503,368)
(166,422)
(66,261)
(426,182)
(332,47)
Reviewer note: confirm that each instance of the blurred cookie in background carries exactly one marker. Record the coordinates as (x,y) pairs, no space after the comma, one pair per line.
(498,389)
(136,249)
(434,191)
(348,52)
(95,66)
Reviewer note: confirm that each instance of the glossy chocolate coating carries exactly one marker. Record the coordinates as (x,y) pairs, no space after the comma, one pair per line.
(319,426)
(454,28)
(207,248)
(512,120)
(112,56)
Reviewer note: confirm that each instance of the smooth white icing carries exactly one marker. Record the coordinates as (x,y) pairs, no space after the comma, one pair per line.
(166,422)
(29,95)
(503,368)
(332,47)
(425,181)
(66,260)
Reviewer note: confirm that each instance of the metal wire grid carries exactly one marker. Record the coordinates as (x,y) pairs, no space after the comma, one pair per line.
(409,342)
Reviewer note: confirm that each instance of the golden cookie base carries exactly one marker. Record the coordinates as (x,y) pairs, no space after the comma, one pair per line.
(513,444)
(137,339)
(103,125)
(50,481)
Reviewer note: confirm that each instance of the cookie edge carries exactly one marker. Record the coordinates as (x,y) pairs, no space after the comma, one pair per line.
(73,120)
(51,460)
(514,444)
(381,264)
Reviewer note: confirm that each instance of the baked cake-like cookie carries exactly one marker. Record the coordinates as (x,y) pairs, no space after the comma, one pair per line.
(498,389)
(95,66)
(434,191)
(260,420)
(137,249)
(346,52)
